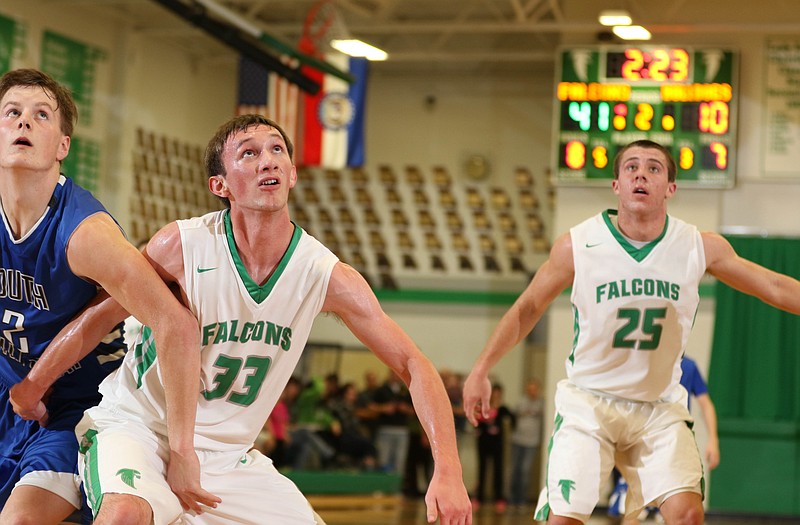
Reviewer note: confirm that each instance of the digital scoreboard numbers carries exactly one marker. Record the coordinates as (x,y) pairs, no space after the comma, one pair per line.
(681,97)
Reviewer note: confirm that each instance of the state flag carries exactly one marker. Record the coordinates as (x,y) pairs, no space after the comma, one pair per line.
(333,120)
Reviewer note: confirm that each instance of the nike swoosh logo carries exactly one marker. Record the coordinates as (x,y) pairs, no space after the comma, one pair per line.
(593,245)
(204,270)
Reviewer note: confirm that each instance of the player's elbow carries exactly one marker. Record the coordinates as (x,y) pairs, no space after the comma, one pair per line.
(178,324)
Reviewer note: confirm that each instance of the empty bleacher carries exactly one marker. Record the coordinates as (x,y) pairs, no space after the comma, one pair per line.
(169,183)
(400,227)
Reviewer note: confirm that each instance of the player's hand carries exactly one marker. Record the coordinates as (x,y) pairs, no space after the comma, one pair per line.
(27,400)
(712,454)
(448,501)
(477,390)
(183,476)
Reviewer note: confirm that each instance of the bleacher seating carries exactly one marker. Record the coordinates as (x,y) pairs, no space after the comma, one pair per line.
(168,183)
(424,225)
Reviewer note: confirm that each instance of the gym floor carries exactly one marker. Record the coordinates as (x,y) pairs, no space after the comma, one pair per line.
(412,512)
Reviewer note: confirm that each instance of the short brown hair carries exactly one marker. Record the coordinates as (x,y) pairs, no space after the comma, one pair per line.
(61,94)
(672,168)
(213,155)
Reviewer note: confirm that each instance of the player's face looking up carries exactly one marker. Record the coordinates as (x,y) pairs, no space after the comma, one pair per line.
(643,178)
(259,169)
(31,129)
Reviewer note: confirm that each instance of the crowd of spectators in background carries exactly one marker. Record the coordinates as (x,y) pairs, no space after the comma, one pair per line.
(323,423)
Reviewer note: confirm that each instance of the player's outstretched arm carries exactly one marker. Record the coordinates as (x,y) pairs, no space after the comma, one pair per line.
(141,283)
(710,418)
(180,369)
(351,299)
(775,289)
(553,277)
(97,241)
(72,344)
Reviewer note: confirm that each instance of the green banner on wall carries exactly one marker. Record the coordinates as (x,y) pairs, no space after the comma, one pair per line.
(83,163)
(12,41)
(73,64)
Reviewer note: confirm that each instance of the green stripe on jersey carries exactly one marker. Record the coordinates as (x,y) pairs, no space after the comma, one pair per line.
(638,254)
(144,354)
(259,292)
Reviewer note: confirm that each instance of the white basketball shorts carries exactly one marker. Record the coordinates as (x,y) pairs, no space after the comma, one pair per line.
(652,445)
(125,457)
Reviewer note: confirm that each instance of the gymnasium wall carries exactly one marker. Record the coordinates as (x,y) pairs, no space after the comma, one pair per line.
(144,82)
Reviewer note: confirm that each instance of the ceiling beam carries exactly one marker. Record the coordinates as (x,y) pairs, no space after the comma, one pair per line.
(240,41)
(401,28)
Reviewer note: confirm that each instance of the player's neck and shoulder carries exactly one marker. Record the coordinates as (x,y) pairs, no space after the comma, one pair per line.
(642,228)
(650,227)
(637,229)
(641,224)
(25,197)
(721,260)
(80,224)
(262,239)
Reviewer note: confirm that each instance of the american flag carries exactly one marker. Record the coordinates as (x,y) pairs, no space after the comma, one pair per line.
(266,93)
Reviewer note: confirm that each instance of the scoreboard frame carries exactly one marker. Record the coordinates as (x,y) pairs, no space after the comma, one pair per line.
(683,97)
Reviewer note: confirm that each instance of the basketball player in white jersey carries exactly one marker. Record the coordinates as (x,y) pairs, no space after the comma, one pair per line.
(255,281)
(635,274)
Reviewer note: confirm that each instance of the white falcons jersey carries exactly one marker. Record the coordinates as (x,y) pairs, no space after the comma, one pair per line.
(633,308)
(251,335)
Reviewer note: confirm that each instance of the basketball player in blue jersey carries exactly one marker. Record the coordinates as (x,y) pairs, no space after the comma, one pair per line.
(635,275)
(255,281)
(57,245)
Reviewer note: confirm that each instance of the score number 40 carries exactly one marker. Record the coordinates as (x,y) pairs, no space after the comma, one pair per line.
(575,156)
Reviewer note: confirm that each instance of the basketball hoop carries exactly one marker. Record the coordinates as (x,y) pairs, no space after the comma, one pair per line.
(318,23)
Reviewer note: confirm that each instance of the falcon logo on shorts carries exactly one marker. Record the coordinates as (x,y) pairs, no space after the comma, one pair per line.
(567,485)
(128,476)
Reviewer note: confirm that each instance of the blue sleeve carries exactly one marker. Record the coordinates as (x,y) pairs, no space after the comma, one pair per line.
(691,378)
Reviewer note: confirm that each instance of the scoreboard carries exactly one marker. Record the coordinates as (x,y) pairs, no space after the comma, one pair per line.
(681,97)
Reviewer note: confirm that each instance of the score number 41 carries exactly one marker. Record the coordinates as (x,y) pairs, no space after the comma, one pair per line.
(711,117)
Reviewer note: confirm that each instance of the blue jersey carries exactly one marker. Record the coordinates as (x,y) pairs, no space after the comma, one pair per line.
(691,379)
(39,295)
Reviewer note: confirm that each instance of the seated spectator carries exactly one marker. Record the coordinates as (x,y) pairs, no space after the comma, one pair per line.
(419,461)
(312,429)
(353,444)
(453,384)
(392,402)
(274,438)
(365,410)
